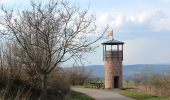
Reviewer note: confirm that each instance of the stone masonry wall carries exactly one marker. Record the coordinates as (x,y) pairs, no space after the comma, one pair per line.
(113,67)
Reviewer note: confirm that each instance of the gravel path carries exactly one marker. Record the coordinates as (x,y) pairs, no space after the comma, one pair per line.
(99,94)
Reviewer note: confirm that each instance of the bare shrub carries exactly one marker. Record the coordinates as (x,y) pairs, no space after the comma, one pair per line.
(59,82)
(153,83)
(80,76)
(161,82)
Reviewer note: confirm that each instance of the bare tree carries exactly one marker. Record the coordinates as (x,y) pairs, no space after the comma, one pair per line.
(49,35)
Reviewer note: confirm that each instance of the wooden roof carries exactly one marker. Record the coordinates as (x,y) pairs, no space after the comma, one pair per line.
(112,42)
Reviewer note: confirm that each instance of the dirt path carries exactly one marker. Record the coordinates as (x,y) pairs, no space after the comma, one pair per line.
(99,94)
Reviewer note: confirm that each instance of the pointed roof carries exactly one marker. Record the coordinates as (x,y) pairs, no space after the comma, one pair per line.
(112,42)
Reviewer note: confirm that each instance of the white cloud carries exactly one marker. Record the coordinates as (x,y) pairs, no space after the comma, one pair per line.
(162,24)
(114,21)
(118,22)
(142,17)
(154,19)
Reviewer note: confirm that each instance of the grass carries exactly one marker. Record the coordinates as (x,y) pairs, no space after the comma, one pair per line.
(142,96)
(79,96)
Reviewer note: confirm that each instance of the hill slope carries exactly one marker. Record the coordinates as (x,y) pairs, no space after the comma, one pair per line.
(129,70)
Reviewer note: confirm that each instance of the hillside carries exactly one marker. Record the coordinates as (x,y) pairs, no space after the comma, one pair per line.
(129,70)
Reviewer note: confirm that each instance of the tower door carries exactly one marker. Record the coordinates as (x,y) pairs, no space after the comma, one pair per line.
(116,81)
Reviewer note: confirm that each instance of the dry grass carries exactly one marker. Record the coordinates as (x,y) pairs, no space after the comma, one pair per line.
(142,96)
(21,87)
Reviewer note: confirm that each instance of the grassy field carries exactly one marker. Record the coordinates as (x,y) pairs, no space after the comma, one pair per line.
(79,96)
(142,96)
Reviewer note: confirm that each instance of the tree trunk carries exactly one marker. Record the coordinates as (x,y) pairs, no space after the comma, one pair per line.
(44,87)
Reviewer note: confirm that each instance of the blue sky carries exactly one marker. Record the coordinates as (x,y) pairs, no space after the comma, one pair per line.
(144,26)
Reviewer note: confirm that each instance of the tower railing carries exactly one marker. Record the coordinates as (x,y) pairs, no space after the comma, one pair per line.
(113,55)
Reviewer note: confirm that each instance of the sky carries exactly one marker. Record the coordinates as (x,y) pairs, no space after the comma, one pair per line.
(144,26)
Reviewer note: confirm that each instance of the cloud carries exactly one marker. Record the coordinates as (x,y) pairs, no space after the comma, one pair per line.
(142,24)
(162,24)
(158,20)
(143,16)
(118,22)
(114,21)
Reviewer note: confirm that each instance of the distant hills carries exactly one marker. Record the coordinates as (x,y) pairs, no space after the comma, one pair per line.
(129,70)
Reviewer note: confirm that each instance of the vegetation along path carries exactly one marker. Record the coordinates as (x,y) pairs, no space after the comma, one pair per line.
(99,94)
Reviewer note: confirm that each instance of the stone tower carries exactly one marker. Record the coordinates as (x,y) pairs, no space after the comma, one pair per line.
(113,57)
